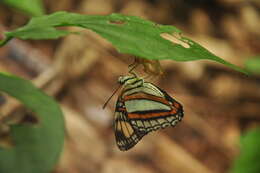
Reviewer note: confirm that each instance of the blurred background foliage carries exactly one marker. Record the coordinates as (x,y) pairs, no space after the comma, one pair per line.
(248,161)
(81,71)
(23,146)
(253,65)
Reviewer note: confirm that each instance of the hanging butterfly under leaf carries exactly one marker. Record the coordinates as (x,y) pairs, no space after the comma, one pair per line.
(141,108)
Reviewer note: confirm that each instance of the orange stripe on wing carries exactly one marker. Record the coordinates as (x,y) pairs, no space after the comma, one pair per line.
(151,115)
(177,105)
(147,97)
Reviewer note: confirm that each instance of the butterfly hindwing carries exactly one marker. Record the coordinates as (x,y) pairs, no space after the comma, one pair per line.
(126,135)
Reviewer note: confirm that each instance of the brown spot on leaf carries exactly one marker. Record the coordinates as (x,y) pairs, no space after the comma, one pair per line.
(118,22)
(5,137)
(175,38)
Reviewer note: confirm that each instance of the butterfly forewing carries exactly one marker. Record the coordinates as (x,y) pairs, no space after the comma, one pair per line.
(151,108)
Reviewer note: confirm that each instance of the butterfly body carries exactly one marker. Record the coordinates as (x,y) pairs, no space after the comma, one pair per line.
(141,108)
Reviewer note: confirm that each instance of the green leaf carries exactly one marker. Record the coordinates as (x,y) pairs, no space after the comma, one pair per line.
(249,158)
(253,65)
(31,7)
(36,147)
(129,34)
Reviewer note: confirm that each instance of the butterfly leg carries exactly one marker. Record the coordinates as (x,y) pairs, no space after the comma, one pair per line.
(132,66)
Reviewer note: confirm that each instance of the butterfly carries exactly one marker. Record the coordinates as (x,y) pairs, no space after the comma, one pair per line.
(141,108)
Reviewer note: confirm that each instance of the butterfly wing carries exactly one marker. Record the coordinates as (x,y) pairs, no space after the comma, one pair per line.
(126,135)
(149,108)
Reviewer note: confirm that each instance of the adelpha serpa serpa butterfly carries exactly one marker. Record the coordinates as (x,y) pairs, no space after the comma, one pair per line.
(141,108)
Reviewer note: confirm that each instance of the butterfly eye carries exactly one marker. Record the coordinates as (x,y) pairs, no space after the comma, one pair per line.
(121,80)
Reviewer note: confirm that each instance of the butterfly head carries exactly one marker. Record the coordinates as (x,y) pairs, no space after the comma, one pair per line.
(124,80)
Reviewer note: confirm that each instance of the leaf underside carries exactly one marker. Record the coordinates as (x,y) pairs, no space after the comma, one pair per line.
(129,34)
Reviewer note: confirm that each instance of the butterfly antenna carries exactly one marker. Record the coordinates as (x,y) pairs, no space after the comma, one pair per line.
(104,106)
